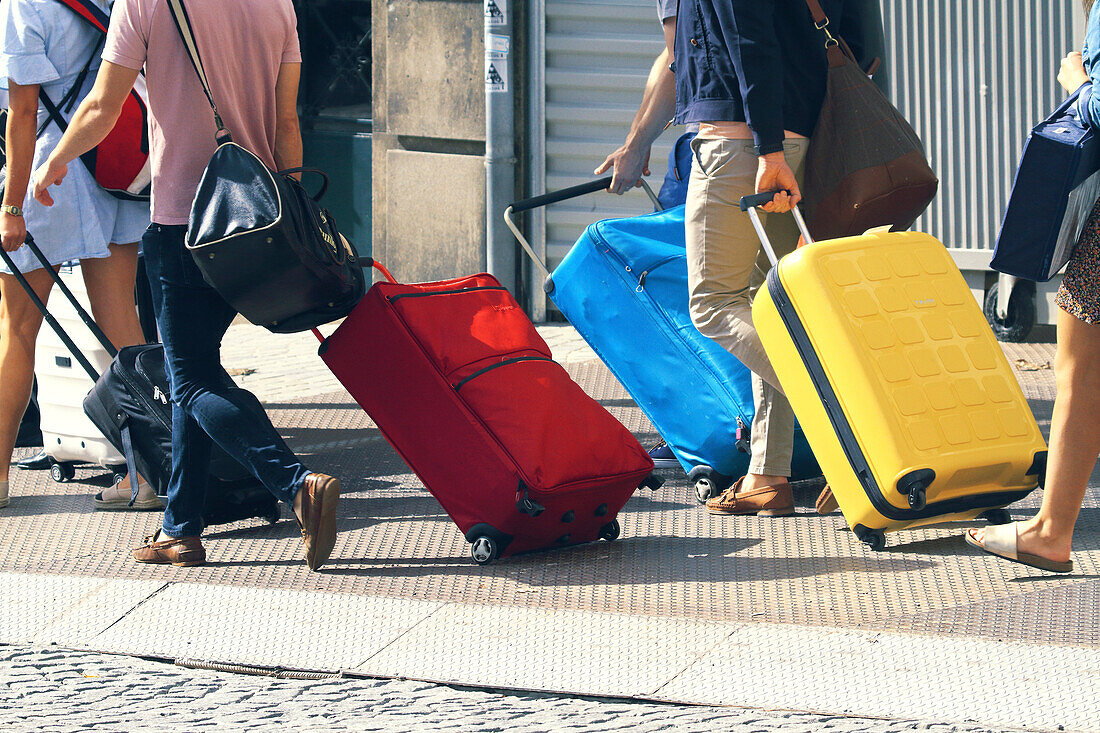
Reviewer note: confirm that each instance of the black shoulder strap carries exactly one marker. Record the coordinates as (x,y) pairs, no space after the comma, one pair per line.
(187,35)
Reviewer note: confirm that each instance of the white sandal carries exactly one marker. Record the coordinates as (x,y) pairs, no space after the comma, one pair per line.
(1001,539)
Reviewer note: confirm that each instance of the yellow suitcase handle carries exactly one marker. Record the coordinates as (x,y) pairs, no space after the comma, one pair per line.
(749,204)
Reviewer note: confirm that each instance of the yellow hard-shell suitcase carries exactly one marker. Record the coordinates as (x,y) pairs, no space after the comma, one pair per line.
(901,388)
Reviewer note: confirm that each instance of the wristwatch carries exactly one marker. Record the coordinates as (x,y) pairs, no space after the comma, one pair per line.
(13,210)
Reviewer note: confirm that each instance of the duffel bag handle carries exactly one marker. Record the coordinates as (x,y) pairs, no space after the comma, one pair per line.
(324,179)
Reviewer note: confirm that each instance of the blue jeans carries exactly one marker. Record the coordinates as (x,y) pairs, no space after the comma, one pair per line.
(206,404)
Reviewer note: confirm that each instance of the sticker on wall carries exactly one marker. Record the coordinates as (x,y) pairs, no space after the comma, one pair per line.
(496,64)
(496,12)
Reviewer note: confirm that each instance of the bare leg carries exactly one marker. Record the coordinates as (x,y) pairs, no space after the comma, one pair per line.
(110,285)
(19,324)
(1074,442)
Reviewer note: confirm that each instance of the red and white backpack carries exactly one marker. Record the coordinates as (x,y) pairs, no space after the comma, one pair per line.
(119,164)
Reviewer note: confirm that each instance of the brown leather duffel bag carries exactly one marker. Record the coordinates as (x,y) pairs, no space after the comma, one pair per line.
(866,166)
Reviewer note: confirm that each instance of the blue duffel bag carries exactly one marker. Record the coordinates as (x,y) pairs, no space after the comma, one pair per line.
(1056,187)
(624,287)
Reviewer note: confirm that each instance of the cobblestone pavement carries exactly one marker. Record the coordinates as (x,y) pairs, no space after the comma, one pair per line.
(56,690)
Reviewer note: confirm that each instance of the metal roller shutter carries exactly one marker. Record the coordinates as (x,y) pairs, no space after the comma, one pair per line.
(974,77)
(594,58)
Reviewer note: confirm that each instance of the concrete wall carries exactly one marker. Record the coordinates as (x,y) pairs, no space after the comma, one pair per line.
(429,137)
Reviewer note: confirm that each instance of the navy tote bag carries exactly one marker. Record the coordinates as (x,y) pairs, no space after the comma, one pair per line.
(1056,187)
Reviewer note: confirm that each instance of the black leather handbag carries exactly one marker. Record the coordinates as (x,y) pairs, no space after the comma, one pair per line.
(260,240)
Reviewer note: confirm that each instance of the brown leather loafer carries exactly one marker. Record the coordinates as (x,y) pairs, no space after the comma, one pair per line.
(318,518)
(766,501)
(826,502)
(181,551)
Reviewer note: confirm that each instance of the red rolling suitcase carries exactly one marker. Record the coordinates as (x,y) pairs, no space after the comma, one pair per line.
(463,387)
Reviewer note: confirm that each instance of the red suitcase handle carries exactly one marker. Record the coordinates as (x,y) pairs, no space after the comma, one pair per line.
(376,265)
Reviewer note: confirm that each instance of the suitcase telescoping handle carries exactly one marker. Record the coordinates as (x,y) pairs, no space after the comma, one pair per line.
(749,204)
(58,329)
(554,197)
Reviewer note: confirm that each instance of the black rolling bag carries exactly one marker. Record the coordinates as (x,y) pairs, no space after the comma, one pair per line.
(130,404)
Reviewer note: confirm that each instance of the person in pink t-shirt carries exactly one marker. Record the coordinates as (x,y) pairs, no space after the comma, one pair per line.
(250,51)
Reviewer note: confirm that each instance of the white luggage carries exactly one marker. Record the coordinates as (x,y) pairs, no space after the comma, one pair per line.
(68,436)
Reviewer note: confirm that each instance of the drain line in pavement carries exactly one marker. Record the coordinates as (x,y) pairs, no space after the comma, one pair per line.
(276,672)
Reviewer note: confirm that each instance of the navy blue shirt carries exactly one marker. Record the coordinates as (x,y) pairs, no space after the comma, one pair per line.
(758,61)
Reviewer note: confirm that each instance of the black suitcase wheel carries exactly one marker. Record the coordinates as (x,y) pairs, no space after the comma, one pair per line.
(610,531)
(62,472)
(274,515)
(996,516)
(708,483)
(1020,317)
(484,550)
(704,490)
(875,539)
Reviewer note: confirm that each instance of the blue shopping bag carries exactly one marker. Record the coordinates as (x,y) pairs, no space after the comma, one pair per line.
(1056,187)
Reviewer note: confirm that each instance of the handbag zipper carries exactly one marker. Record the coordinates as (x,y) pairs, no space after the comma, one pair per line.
(140,395)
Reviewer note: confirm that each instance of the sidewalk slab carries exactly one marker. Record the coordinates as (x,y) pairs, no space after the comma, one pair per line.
(262,627)
(547,650)
(848,671)
(58,609)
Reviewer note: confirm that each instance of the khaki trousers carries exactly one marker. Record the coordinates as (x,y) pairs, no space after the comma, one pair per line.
(727,265)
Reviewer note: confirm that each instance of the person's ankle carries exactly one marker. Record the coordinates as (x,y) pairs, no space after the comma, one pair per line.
(296,505)
(1041,533)
(760,480)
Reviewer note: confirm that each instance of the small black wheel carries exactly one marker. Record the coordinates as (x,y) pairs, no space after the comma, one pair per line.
(875,540)
(917,500)
(62,472)
(704,489)
(996,516)
(484,550)
(610,531)
(274,515)
(1019,318)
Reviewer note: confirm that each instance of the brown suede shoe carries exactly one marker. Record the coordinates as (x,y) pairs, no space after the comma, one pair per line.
(318,518)
(181,552)
(826,502)
(767,501)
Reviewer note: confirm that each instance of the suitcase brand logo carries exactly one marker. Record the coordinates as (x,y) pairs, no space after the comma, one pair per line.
(922,302)
(158,395)
(503,308)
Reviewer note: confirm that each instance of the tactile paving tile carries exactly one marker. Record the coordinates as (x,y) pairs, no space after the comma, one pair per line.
(538,649)
(64,610)
(1066,613)
(907,676)
(673,560)
(263,627)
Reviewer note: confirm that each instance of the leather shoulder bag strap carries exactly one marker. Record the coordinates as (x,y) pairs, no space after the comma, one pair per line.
(836,50)
(820,19)
(187,35)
